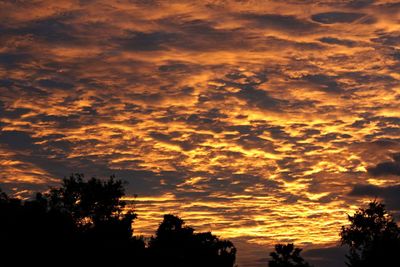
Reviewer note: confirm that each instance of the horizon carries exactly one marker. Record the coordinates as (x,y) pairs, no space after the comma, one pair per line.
(261,121)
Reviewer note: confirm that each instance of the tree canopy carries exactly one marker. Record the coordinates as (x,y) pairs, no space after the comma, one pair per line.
(81,221)
(86,222)
(373,237)
(177,245)
(287,256)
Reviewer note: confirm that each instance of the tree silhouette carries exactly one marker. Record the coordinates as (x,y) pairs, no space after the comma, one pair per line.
(82,222)
(87,223)
(176,245)
(29,229)
(91,202)
(287,256)
(373,237)
(103,226)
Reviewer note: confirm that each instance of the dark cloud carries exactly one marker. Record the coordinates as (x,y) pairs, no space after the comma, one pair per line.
(333,40)
(151,41)
(390,194)
(144,182)
(13,113)
(332,137)
(360,123)
(326,257)
(324,82)
(388,38)
(174,138)
(17,140)
(360,3)
(387,168)
(6,83)
(174,67)
(68,121)
(54,29)
(255,142)
(60,146)
(336,17)
(196,35)
(54,84)
(259,98)
(12,59)
(390,7)
(280,22)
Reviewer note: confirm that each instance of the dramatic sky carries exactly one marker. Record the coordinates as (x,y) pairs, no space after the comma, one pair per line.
(264,121)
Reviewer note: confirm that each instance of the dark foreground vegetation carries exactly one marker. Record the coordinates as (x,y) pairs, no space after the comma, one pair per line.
(86,222)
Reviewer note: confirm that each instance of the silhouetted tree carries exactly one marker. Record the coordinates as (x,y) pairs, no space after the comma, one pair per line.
(83,222)
(91,202)
(287,256)
(176,245)
(87,223)
(29,230)
(372,236)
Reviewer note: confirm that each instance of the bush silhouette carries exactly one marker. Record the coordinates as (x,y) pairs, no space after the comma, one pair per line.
(373,237)
(287,256)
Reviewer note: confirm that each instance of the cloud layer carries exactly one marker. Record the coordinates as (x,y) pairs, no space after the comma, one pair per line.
(272,118)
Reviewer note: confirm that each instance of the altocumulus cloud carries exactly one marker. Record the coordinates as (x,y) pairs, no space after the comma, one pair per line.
(261,115)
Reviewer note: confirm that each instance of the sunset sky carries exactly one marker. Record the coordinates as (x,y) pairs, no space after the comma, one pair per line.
(262,121)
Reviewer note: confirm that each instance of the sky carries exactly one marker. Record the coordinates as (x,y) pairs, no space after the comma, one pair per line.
(261,121)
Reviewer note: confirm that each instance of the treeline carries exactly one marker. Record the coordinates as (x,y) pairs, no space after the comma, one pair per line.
(86,222)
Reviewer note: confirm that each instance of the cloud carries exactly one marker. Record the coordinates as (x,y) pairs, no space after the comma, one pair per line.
(324,82)
(360,3)
(259,98)
(388,38)
(387,168)
(13,113)
(255,142)
(152,41)
(337,17)
(174,138)
(390,194)
(286,23)
(333,40)
(191,35)
(17,140)
(250,113)
(13,58)
(326,257)
(52,84)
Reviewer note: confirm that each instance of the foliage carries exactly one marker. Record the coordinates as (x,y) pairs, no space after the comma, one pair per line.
(87,223)
(81,221)
(177,245)
(373,237)
(287,256)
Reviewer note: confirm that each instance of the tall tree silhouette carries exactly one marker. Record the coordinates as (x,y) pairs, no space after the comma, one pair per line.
(176,245)
(373,237)
(287,256)
(89,202)
(104,226)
